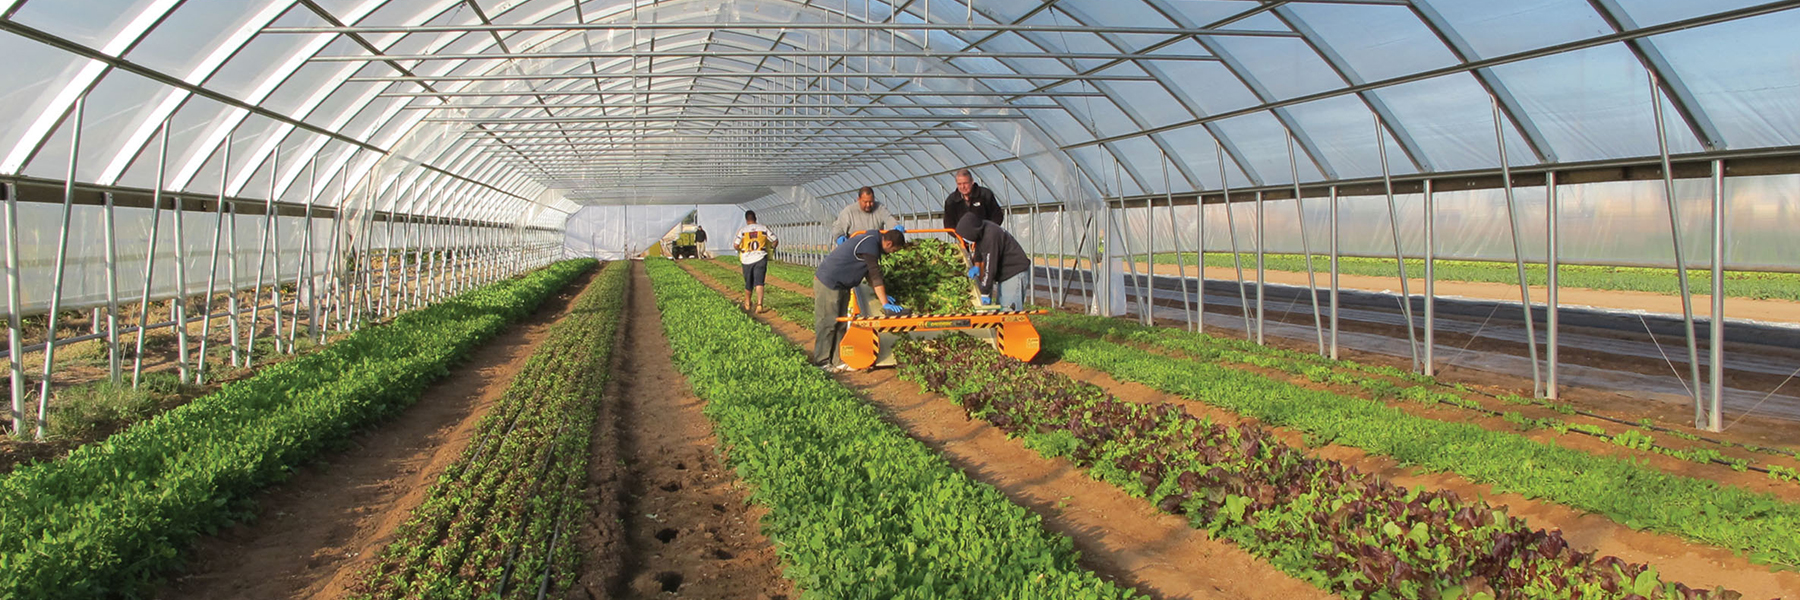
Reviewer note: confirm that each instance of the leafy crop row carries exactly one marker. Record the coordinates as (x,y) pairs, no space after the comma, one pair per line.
(1320,520)
(789,305)
(495,525)
(111,516)
(859,509)
(1382,382)
(1623,490)
(1738,284)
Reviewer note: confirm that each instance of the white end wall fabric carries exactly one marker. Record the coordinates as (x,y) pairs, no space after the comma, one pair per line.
(619,232)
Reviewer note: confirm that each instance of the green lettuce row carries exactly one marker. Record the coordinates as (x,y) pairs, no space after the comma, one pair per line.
(113,515)
(488,524)
(794,307)
(1637,496)
(1318,519)
(859,509)
(1381,383)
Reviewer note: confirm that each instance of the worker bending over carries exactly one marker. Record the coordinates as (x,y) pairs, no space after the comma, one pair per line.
(851,263)
(1000,262)
(754,243)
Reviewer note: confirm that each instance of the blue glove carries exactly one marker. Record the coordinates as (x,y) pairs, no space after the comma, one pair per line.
(986,300)
(975,272)
(843,238)
(900,227)
(893,300)
(892,307)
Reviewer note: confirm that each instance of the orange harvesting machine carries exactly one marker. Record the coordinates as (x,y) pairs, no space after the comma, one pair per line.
(869,340)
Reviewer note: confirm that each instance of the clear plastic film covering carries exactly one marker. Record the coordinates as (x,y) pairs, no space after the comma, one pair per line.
(85,284)
(1613,223)
(1070,102)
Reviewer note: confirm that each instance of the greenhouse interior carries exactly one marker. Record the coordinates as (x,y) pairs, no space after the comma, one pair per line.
(773,299)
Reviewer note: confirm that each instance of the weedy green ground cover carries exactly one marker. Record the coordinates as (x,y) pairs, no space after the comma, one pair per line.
(858,508)
(113,515)
(1760,285)
(1630,493)
(497,522)
(1346,531)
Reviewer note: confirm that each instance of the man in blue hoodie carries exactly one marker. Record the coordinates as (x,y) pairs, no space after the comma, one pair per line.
(852,262)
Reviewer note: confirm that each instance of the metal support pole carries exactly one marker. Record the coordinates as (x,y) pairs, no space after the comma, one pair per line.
(1716,342)
(1312,283)
(137,362)
(1512,222)
(114,367)
(62,256)
(1237,260)
(212,273)
(1187,303)
(181,259)
(262,265)
(14,331)
(1552,317)
(1334,282)
(239,357)
(275,258)
(1261,225)
(1387,180)
(1199,260)
(304,276)
(1687,297)
(1430,343)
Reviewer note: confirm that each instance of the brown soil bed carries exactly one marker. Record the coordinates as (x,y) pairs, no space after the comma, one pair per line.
(317,531)
(668,514)
(1122,538)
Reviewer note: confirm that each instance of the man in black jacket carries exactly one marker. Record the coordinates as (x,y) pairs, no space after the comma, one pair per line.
(970,198)
(1000,262)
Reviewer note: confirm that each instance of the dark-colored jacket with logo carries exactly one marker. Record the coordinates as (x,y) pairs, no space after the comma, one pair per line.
(1000,255)
(980,202)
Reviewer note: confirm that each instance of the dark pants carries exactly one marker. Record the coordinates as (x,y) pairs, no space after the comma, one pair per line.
(755,274)
(828,305)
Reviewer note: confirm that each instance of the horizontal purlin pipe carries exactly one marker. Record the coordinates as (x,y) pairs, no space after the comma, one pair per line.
(683,92)
(780,26)
(648,54)
(699,118)
(744,74)
(732,106)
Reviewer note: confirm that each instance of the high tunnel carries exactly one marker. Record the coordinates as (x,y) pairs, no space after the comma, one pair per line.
(341,160)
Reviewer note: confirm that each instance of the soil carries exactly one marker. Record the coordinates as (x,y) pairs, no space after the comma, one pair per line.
(315,532)
(677,518)
(1120,537)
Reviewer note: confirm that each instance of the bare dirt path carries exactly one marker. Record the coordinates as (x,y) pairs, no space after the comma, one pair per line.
(688,525)
(317,530)
(1120,537)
